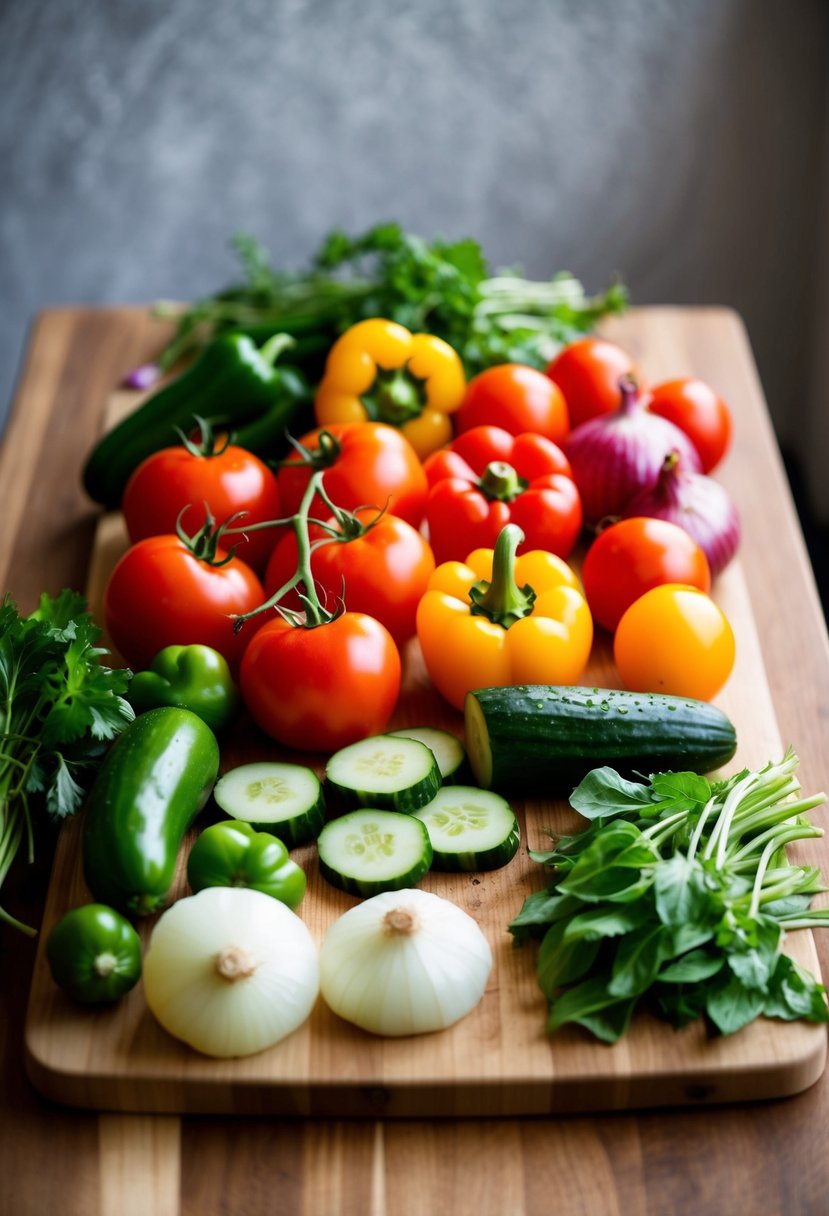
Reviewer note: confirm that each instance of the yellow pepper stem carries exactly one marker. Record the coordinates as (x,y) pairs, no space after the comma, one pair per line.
(396,396)
(502,601)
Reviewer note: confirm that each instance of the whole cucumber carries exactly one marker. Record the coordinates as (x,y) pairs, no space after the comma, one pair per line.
(543,739)
(152,784)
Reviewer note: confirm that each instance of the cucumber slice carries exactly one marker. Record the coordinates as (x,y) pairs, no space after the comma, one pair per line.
(384,771)
(470,829)
(369,851)
(447,748)
(285,799)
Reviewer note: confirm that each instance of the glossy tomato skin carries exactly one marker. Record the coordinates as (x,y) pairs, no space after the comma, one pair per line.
(674,639)
(377,467)
(516,398)
(632,556)
(320,689)
(382,572)
(160,595)
(175,478)
(696,409)
(588,372)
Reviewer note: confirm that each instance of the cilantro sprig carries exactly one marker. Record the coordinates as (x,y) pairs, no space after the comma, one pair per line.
(59,708)
(678,894)
(442,287)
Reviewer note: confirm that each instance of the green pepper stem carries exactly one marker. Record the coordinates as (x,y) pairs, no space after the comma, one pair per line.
(502,601)
(275,345)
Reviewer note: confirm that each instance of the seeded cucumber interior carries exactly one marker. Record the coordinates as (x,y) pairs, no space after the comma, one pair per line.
(267,791)
(374,845)
(446,748)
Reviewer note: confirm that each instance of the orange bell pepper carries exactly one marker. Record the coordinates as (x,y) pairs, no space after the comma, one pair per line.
(378,371)
(478,628)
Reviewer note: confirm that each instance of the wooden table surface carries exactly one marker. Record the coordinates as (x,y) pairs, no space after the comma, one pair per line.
(769,1157)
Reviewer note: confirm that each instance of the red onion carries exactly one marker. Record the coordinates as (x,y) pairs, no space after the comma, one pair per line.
(696,502)
(616,455)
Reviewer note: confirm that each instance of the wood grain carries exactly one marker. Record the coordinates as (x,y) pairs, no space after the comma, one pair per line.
(768,1157)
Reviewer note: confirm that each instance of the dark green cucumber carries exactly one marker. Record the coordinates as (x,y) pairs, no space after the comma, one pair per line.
(542,739)
(152,784)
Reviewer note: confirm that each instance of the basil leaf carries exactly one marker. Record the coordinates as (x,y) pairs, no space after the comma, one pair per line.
(563,962)
(638,959)
(603,793)
(732,1005)
(692,968)
(592,1006)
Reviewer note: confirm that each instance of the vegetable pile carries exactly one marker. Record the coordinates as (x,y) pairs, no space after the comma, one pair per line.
(398,446)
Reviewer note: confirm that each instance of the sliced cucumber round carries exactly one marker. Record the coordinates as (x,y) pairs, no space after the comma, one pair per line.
(470,829)
(285,799)
(369,851)
(446,747)
(384,771)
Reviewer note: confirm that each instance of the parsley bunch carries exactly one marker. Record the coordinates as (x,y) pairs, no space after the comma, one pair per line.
(440,287)
(59,707)
(678,893)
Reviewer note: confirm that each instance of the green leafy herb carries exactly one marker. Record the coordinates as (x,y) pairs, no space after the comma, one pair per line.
(440,287)
(59,707)
(678,892)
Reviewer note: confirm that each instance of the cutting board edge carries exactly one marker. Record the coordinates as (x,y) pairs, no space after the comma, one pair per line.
(709,1085)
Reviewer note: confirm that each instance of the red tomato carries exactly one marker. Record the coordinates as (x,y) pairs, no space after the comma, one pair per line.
(695,408)
(674,639)
(376,467)
(323,688)
(160,595)
(230,481)
(588,373)
(632,556)
(516,398)
(383,571)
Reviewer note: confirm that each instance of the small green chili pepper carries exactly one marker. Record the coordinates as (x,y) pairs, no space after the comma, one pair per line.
(233,854)
(191,677)
(233,383)
(94,954)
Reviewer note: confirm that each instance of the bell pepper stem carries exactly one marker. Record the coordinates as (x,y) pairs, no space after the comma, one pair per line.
(501,599)
(501,482)
(273,348)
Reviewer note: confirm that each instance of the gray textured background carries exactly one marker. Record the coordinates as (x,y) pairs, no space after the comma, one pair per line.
(679,143)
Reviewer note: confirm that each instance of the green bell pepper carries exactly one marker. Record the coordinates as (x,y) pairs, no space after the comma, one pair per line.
(191,677)
(94,954)
(234,854)
(233,383)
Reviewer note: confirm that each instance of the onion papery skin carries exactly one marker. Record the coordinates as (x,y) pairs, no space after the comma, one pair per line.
(615,456)
(397,984)
(239,1017)
(696,502)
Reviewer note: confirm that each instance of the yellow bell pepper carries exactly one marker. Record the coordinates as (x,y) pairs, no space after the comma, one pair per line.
(479,629)
(378,371)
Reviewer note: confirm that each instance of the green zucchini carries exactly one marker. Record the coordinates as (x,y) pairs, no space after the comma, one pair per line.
(543,739)
(153,782)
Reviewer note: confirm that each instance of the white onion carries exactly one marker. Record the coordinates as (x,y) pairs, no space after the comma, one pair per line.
(696,502)
(404,962)
(230,971)
(614,456)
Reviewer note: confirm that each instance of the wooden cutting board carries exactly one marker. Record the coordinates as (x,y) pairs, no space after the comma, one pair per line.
(498,1060)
